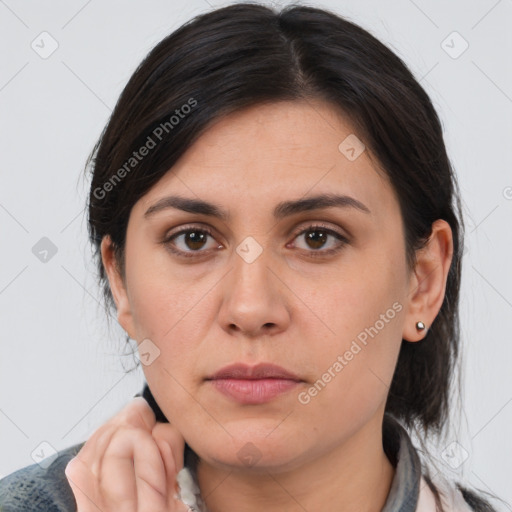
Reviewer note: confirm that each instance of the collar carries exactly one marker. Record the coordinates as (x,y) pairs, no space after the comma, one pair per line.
(409,491)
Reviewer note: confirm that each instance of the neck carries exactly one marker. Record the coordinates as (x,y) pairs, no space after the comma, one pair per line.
(355,476)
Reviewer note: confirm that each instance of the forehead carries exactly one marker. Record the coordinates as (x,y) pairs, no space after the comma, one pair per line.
(267,153)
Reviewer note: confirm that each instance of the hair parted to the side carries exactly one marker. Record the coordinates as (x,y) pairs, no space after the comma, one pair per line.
(248,54)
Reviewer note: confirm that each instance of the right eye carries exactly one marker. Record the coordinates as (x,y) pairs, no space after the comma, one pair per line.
(193,238)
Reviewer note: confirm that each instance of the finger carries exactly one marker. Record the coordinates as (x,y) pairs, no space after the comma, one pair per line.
(83,485)
(94,448)
(172,445)
(133,471)
(173,437)
(170,470)
(136,413)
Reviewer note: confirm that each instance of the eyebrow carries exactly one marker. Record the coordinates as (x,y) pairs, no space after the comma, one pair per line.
(282,210)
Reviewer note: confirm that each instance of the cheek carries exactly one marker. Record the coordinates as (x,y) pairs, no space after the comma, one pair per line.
(365,291)
(170,316)
(155,308)
(364,315)
(160,296)
(163,293)
(175,313)
(355,371)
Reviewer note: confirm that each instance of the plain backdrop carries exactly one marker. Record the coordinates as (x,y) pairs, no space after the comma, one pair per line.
(63,66)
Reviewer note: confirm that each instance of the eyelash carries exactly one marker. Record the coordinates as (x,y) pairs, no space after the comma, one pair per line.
(314,227)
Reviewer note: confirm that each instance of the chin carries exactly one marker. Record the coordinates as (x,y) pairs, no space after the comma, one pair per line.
(255,453)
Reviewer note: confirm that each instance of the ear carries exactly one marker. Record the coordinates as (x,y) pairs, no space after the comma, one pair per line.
(427,284)
(117,286)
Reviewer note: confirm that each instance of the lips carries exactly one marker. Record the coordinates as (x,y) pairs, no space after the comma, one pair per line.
(254,385)
(259,371)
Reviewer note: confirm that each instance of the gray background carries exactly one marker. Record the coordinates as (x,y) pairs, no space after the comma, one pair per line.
(61,370)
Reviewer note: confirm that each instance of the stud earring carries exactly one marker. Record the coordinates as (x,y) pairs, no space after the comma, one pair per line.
(420,326)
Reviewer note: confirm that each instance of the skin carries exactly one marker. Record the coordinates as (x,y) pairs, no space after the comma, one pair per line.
(285,307)
(129,463)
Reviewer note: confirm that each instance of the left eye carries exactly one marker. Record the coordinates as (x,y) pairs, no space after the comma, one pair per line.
(194,239)
(317,236)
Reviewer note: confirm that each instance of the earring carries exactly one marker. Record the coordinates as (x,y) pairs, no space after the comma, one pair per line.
(420,326)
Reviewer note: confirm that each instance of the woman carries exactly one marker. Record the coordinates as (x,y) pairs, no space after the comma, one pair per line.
(278,226)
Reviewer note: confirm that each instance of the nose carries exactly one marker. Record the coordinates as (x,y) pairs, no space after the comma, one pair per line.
(256,301)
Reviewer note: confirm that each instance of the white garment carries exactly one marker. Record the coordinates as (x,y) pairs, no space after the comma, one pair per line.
(451,498)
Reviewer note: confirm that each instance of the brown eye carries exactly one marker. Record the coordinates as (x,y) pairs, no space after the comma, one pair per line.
(317,236)
(190,240)
(195,239)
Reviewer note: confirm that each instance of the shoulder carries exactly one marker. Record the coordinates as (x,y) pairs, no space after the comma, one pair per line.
(39,487)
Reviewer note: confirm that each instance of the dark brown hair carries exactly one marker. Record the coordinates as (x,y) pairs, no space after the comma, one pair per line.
(246,54)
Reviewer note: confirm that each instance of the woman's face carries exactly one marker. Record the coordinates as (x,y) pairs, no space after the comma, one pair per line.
(328,304)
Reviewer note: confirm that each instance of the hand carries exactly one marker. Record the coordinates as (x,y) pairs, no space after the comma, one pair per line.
(129,464)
